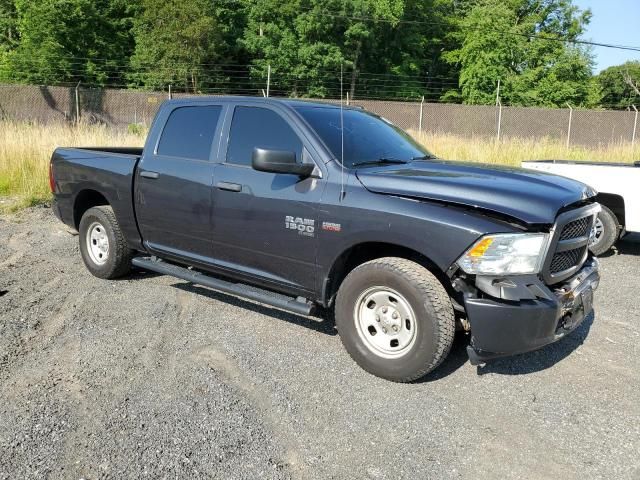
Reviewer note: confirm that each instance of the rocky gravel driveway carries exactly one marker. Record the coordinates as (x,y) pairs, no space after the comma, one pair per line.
(152,377)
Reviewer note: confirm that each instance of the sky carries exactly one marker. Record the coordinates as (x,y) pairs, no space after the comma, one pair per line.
(613,21)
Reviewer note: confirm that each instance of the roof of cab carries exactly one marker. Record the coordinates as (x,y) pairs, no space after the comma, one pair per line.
(292,102)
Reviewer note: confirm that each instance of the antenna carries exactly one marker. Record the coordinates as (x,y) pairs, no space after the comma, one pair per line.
(342,192)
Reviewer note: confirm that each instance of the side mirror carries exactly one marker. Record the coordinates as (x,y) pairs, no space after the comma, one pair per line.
(279,161)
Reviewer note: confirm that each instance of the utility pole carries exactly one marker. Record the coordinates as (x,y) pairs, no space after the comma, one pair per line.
(268,78)
(420,119)
(78,104)
(635,126)
(499,105)
(570,121)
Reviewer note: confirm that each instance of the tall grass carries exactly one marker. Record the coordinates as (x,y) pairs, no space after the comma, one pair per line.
(514,151)
(25,150)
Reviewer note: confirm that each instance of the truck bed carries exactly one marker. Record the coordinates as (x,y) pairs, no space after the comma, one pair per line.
(108,172)
(586,162)
(128,151)
(616,184)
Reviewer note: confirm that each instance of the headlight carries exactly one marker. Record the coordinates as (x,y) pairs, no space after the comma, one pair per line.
(505,254)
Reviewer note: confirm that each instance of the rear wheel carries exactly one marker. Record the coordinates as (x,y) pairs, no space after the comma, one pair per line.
(605,232)
(395,318)
(102,244)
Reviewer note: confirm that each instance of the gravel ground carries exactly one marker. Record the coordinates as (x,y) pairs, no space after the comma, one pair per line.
(151,376)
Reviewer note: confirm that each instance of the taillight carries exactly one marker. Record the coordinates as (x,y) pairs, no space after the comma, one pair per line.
(52,182)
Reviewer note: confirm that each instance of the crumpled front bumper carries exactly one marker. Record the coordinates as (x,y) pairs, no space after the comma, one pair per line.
(502,328)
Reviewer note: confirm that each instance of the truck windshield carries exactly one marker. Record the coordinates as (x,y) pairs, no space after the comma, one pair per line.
(368,138)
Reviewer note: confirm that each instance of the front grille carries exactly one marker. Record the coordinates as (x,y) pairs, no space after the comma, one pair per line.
(568,248)
(565,260)
(576,228)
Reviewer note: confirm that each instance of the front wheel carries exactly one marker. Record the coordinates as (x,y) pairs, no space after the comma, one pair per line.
(605,232)
(395,319)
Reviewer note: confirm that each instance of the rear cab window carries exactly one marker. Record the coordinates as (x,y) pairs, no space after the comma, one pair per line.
(189,132)
(258,127)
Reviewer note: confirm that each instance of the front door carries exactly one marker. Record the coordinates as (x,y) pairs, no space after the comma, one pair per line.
(265,224)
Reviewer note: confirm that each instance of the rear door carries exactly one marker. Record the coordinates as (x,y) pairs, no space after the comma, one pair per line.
(174,179)
(265,223)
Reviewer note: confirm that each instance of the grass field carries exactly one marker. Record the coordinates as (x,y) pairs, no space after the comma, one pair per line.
(514,151)
(25,150)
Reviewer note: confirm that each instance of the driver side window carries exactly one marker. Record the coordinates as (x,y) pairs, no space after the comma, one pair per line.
(257,127)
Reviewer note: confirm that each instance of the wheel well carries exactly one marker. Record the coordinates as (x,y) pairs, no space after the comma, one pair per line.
(365,252)
(85,200)
(613,202)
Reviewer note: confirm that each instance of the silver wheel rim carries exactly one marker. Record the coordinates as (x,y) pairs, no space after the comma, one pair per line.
(97,243)
(596,232)
(385,322)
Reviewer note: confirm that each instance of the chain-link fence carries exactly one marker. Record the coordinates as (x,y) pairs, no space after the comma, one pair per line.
(120,108)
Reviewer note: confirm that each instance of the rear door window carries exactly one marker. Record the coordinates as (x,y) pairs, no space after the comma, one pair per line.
(189,132)
(256,127)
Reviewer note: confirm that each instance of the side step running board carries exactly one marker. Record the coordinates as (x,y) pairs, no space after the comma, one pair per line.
(296,305)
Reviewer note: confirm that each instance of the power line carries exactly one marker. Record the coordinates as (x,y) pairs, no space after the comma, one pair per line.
(107,65)
(332,95)
(530,36)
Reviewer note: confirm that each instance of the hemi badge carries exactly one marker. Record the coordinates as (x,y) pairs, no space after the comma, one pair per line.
(331,227)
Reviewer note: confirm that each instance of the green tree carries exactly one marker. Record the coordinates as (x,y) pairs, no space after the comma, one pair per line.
(68,41)
(297,41)
(403,58)
(8,24)
(307,42)
(525,44)
(177,42)
(616,85)
(387,48)
(8,34)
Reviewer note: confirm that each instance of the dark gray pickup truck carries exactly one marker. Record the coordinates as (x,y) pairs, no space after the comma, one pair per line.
(312,207)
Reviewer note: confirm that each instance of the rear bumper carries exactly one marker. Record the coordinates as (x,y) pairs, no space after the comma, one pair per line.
(55,207)
(62,212)
(502,328)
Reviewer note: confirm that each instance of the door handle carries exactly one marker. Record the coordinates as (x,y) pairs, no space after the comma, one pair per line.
(231,187)
(148,174)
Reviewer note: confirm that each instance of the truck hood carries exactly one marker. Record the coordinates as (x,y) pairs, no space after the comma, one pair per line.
(530,196)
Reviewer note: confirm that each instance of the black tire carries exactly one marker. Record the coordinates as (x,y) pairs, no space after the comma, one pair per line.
(117,260)
(609,234)
(434,318)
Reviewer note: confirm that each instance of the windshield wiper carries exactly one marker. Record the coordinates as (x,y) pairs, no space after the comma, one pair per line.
(380,161)
(428,156)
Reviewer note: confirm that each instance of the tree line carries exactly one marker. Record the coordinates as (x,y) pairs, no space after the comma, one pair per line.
(444,50)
